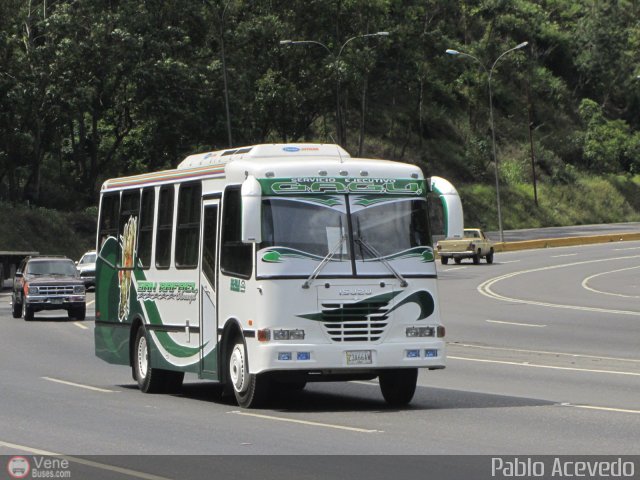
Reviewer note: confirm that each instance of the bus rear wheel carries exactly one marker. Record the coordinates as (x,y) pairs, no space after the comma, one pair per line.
(250,390)
(152,380)
(398,386)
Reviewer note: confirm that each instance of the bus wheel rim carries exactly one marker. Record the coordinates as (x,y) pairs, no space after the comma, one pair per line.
(237,369)
(143,362)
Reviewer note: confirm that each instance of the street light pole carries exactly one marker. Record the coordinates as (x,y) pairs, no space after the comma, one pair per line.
(224,75)
(336,58)
(493,131)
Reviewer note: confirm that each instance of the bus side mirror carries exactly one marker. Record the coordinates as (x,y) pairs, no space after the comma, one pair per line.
(251,193)
(454,217)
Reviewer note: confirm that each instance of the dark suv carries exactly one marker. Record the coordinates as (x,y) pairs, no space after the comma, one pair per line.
(48,283)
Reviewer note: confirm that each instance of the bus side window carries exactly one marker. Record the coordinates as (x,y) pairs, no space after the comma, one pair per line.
(188,225)
(164,228)
(236,258)
(108,224)
(129,213)
(145,236)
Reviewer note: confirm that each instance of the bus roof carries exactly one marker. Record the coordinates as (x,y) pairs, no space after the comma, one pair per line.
(272,160)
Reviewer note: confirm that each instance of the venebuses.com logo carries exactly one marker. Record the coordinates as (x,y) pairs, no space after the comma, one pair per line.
(38,467)
(18,467)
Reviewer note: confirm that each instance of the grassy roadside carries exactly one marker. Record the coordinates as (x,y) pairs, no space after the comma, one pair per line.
(588,200)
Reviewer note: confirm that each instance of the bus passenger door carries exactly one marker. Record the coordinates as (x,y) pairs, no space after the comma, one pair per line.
(208,288)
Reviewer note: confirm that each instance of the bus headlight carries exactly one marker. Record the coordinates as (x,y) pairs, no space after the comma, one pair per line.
(420,331)
(294,334)
(265,334)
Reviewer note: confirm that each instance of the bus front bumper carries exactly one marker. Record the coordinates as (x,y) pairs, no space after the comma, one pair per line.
(343,358)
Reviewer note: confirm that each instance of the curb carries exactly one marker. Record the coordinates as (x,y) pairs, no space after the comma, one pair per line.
(564,242)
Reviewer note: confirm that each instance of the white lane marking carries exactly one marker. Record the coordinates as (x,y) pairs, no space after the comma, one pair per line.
(624,249)
(82,461)
(452,269)
(79,325)
(509,261)
(79,385)
(603,409)
(305,422)
(485,288)
(536,325)
(564,255)
(536,365)
(545,352)
(587,287)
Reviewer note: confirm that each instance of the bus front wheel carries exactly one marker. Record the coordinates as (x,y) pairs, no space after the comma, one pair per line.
(250,390)
(398,386)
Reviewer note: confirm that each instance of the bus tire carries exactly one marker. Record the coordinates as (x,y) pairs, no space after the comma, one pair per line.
(458,260)
(398,386)
(444,260)
(476,259)
(150,380)
(251,391)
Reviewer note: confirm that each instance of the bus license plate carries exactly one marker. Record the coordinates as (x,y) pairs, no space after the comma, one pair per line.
(359,357)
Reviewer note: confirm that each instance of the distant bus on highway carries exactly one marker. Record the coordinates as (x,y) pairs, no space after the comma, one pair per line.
(267,267)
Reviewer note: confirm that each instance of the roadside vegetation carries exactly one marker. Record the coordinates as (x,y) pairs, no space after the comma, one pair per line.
(588,200)
(92,90)
(47,231)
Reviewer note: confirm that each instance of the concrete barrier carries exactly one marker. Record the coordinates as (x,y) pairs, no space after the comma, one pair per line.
(565,241)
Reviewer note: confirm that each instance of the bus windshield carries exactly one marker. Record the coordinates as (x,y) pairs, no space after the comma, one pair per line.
(310,228)
(391,227)
(358,236)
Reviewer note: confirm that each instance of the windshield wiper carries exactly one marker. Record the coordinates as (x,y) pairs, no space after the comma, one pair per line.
(327,258)
(377,256)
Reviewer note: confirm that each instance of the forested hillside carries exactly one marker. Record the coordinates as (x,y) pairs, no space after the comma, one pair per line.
(91,89)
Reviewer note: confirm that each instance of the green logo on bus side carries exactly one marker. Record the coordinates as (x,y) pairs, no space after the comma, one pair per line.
(319,185)
(238,285)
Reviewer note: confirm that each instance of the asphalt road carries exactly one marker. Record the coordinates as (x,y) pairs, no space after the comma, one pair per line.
(544,358)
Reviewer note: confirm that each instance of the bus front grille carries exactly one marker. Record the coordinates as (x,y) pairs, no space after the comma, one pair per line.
(355,322)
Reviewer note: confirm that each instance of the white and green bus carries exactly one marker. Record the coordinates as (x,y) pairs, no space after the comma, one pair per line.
(267,267)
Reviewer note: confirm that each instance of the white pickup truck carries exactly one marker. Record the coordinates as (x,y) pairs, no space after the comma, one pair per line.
(474,245)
